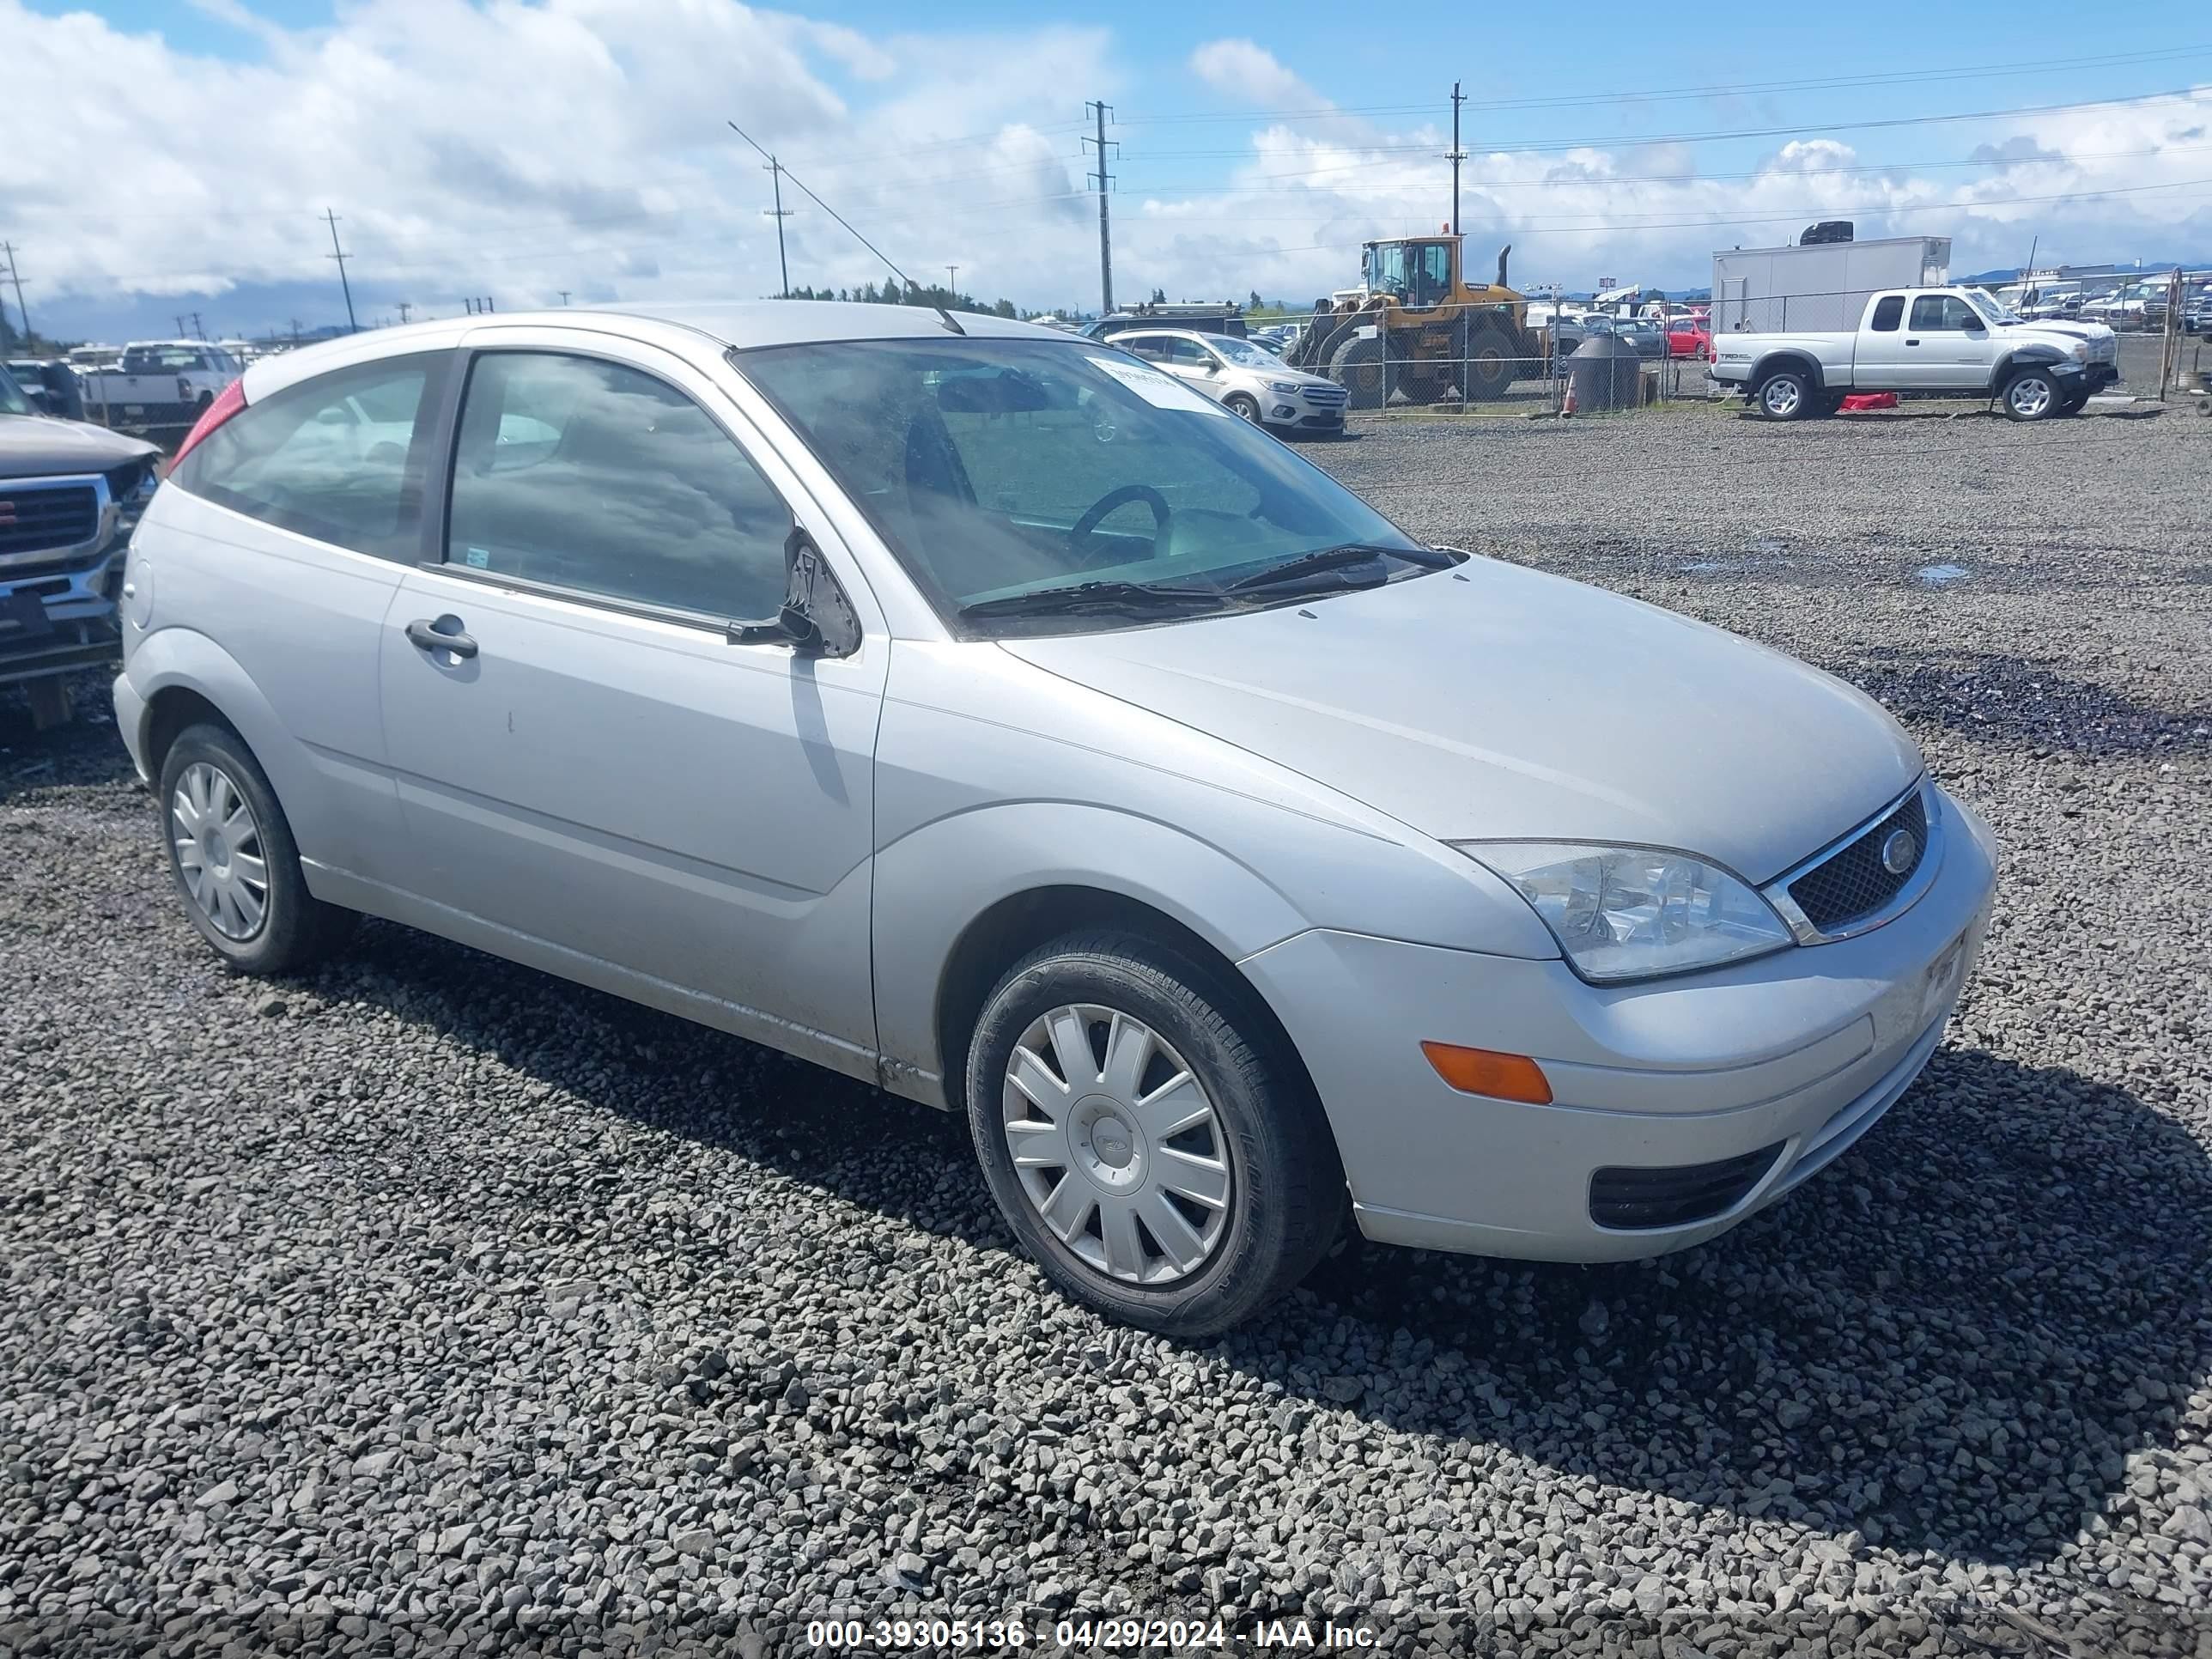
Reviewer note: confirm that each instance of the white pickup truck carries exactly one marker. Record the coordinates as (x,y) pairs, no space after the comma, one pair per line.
(1923,342)
(159,383)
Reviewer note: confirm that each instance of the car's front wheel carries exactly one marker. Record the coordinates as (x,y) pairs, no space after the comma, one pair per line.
(2031,395)
(1152,1147)
(231,856)
(1243,408)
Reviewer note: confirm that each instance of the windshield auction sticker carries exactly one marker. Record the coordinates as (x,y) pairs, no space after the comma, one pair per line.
(1160,391)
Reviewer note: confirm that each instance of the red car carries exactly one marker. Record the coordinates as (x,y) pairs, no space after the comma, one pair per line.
(1690,335)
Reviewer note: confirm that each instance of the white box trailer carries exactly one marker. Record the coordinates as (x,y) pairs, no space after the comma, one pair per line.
(1820,288)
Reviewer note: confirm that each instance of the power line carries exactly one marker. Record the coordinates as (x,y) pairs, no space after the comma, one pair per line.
(1747,88)
(787,173)
(1552,146)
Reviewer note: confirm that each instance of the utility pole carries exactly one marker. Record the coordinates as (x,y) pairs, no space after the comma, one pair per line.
(953,287)
(295,330)
(779,213)
(196,329)
(1457,155)
(21,310)
(564,296)
(1105,233)
(180,324)
(404,308)
(338,254)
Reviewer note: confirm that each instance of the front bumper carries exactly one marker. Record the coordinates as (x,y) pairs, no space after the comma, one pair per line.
(59,618)
(1799,1052)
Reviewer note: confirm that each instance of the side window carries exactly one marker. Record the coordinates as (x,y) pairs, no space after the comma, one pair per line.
(339,457)
(1889,312)
(1147,346)
(1189,353)
(592,476)
(1941,313)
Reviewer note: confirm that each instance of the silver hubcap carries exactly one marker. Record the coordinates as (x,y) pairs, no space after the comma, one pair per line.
(1781,398)
(219,853)
(1249,412)
(2031,397)
(1116,1145)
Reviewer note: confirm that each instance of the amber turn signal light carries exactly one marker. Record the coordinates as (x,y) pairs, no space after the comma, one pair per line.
(1486,1072)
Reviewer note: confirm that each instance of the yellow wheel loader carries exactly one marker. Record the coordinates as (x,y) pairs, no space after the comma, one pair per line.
(1417,328)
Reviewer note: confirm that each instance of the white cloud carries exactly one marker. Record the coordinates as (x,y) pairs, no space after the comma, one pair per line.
(1246,70)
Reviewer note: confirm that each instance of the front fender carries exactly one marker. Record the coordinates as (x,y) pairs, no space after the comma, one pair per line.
(932,883)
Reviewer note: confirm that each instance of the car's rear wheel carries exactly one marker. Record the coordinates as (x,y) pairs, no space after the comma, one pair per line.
(233,858)
(1785,396)
(2033,394)
(1152,1147)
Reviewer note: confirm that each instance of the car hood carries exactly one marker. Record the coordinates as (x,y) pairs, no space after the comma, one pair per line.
(1514,705)
(34,446)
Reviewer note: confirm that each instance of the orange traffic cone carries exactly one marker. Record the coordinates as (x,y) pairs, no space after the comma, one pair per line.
(1567,402)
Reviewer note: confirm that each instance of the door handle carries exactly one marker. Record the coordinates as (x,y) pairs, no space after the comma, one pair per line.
(429,636)
(1912,342)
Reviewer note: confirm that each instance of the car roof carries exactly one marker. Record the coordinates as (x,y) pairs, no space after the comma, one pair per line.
(742,326)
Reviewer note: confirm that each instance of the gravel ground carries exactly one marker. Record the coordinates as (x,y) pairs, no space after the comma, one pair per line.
(429,1305)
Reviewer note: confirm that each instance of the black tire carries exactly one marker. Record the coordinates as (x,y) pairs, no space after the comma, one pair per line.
(1243,407)
(2073,402)
(1490,365)
(1786,395)
(2031,394)
(1357,365)
(295,928)
(1286,1190)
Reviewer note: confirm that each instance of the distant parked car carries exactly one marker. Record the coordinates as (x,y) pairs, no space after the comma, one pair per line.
(51,384)
(1646,337)
(1689,337)
(1250,383)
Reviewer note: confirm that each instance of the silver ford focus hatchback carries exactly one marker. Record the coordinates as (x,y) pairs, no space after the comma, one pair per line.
(981,712)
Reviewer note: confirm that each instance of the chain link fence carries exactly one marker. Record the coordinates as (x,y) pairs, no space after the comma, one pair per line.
(1499,360)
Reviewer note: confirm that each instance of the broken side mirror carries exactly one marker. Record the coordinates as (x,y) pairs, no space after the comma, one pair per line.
(815,619)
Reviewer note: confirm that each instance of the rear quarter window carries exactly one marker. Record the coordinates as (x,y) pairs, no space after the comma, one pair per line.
(339,458)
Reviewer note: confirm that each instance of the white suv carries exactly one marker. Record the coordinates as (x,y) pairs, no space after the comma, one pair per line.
(1244,379)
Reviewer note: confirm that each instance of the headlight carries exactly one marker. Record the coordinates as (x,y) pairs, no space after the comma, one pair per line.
(2080,351)
(1284,388)
(1623,912)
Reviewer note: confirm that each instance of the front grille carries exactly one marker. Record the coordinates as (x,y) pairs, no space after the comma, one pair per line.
(1853,882)
(32,520)
(1325,396)
(1679,1194)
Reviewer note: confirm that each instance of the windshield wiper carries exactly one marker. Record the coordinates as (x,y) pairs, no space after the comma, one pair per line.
(1339,558)
(1092,596)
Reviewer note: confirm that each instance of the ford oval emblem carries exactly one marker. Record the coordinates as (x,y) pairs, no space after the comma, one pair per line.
(1899,848)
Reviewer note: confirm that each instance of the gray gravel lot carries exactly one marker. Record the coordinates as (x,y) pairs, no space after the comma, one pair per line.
(430,1304)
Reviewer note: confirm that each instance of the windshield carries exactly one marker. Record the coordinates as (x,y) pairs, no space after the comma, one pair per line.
(997,467)
(1990,310)
(1246,355)
(12,400)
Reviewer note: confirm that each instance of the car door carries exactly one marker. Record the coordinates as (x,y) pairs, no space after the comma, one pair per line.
(596,778)
(1882,360)
(1193,365)
(1951,342)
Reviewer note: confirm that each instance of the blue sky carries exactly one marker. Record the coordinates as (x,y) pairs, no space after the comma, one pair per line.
(522,147)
